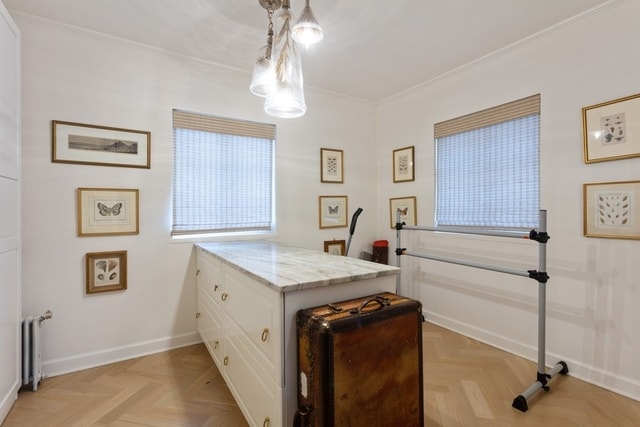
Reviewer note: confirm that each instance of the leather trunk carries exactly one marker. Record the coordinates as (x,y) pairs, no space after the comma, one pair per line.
(360,363)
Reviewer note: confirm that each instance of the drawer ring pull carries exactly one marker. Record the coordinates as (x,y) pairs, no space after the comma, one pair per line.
(267,422)
(226,360)
(197,315)
(265,334)
(224,296)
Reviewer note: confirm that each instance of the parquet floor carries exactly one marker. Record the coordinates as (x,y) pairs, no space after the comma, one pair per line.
(466,383)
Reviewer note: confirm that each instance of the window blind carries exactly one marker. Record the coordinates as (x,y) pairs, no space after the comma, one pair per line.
(223,175)
(487,167)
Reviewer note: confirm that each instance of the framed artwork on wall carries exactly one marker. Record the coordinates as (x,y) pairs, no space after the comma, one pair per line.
(331,165)
(611,130)
(100,145)
(403,165)
(332,211)
(406,206)
(107,211)
(612,209)
(106,271)
(335,247)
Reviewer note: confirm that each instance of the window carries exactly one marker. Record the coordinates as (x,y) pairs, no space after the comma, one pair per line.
(223,175)
(487,167)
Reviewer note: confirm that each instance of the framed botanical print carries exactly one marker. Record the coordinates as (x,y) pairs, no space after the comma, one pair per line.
(106,271)
(335,247)
(403,165)
(612,209)
(331,165)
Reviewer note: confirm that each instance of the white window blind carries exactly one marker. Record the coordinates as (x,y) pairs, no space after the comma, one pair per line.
(223,175)
(487,167)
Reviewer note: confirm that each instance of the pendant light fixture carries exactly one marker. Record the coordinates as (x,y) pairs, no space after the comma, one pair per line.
(277,74)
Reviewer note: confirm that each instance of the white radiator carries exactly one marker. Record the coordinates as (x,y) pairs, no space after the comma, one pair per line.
(32,372)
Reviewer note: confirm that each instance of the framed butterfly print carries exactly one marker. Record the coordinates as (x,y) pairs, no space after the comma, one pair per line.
(107,211)
(406,206)
(331,165)
(332,211)
(106,271)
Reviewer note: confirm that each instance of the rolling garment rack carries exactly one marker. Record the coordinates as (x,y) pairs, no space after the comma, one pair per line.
(540,275)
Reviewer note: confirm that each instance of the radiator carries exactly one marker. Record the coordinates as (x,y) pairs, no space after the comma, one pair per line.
(32,372)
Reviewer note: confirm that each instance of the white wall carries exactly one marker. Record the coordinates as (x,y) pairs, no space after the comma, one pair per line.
(10,181)
(78,76)
(593,321)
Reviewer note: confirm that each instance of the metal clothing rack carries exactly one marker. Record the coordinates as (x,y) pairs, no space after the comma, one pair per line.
(540,275)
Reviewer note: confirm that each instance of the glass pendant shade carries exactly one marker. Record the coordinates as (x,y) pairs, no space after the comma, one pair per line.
(307,30)
(286,100)
(263,77)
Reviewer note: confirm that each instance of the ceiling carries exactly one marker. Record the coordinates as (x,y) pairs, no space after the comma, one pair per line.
(372,49)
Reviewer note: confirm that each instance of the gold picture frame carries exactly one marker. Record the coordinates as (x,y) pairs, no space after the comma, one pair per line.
(611,130)
(335,247)
(403,164)
(332,211)
(82,143)
(611,209)
(106,271)
(407,208)
(331,166)
(107,211)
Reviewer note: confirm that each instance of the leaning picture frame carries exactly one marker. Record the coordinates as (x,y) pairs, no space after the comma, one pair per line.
(335,247)
(611,130)
(407,208)
(611,209)
(331,165)
(403,164)
(83,143)
(332,211)
(107,211)
(106,271)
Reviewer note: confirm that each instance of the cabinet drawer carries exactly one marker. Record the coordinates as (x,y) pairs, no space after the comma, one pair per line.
(259,397)
(255,309)
(209,323)
(209,275)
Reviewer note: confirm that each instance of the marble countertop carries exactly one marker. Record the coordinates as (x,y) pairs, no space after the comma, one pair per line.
(287,268)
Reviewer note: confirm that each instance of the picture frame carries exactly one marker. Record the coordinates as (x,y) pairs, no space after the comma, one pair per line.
(106,271)
(612,209)
(335,247)
(331,166)
(81,143)
(611,130)
(332,211)
(403,164)
(107,211)
(407,207)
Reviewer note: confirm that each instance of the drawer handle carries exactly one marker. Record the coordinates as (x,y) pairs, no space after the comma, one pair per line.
(226,360)
(216,344)
(265,334)
(215,288)
(197,315)
(267,422)
(197,272)
(224,296)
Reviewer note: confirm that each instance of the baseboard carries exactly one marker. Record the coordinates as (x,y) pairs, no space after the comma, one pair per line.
(8,400)
(80,362)
(616,383)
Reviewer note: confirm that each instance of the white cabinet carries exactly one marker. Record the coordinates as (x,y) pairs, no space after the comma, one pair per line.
(247,299)
(239,320)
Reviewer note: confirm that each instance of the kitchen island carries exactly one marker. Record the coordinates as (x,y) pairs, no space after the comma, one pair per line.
(248,295)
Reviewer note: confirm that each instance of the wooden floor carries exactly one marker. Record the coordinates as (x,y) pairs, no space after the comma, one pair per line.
(466,383)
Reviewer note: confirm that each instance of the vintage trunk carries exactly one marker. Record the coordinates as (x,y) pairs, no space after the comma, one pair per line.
(360,363)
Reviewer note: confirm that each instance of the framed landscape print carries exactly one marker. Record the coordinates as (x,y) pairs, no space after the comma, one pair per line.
(331,165)
(403,166)
(332,211)
(407,208)
(106,271)
(612,210)
(100,145)
(107,211)
(611,130)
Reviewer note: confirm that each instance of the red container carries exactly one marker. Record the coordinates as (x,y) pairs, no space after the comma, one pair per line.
(380,252)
